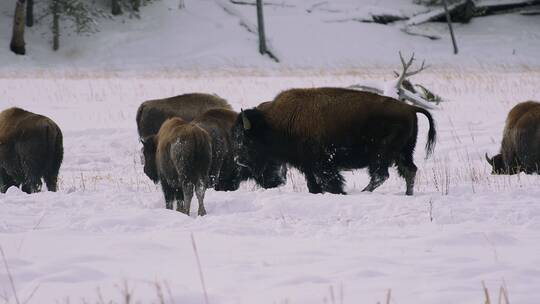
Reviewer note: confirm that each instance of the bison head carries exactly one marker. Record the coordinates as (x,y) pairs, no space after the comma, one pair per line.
(498,166)
(250,135)
(149,157)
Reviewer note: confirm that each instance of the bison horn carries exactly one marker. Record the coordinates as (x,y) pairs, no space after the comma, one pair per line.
(245,121)
(489,160)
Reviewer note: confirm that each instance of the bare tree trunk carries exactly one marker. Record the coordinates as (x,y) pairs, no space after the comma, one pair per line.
(30,13)
(449,21)
(56,25)
(260,26)
(17,38)
(115,7)
(136,4)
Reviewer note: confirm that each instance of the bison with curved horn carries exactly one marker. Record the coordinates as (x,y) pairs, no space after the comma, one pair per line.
(152,113)
(520,146)
(194,155)
(30,150)
(322,131)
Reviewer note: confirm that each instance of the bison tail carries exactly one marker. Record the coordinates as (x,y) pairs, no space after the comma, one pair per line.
(432,133)
(55,149)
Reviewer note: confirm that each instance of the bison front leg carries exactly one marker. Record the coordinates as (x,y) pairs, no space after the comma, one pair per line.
(330,178)
(378,172)
(5,181)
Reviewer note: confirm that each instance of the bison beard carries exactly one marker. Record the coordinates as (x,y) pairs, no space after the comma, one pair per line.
(323,131)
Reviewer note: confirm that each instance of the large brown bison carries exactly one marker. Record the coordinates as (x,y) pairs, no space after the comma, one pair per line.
(322,131)
(152,113)
(520,147)
(30,149)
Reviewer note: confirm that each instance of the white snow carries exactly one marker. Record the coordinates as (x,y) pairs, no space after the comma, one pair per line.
(107,225)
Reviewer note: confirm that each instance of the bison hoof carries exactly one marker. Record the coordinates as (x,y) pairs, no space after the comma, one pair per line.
(202,212)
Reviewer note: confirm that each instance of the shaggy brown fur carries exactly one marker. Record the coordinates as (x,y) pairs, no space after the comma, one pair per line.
(152,113)
(324,130)
(183,160)
(520,147)
(30,149)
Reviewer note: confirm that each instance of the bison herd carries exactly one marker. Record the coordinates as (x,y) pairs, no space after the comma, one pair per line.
(193,142)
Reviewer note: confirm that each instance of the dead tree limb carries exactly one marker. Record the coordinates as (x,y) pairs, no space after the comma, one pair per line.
(449,21)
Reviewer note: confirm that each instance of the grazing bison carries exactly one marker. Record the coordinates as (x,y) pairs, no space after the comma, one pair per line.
(195,155)
(30,149)
(322,131)
(152,113)
(520,147)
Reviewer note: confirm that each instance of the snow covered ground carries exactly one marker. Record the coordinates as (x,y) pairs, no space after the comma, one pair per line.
(107,227)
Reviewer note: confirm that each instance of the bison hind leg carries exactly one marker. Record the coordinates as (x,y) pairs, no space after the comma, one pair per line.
(407,170)
(187,188)
(51,181)
(168,193)
(200,190)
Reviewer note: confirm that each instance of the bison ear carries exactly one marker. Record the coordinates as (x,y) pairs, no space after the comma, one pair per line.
(489,160)
(245,121)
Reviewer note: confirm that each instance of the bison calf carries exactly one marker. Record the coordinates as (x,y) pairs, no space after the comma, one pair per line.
(183,155)
(30,149)
(520,147)
(322,131)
